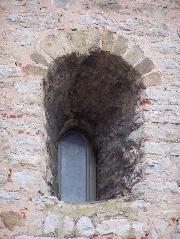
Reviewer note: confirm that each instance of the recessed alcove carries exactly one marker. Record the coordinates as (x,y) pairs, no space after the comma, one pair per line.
(97,94)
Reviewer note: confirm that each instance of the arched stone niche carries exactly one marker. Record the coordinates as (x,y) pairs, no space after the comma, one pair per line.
(95,83)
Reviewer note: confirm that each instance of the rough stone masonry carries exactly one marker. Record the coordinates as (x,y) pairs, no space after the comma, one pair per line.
(126,53)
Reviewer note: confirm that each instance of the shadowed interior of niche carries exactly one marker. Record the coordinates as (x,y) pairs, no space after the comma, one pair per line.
(103,91)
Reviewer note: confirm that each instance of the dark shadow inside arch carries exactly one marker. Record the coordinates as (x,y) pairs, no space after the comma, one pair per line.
(98,93)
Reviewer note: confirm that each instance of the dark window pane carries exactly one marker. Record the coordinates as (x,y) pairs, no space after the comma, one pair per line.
(72,155)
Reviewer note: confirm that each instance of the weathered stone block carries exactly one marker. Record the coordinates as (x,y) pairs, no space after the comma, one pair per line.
(26,143)
(40,20)
(159,229)
(51,223)
(77,238)
(66,43)
(23,37)
(63,2)
(32,237)
(28,86)
(52,46)
(137,228)
(120,227)
(158,116)
(107,41)
(8,196)
(93,39)
(78,41)
(30,179)
(45,200)
(107,5)
(11,219)
(120,46)
(151,79)
(147,186)
(34,70)
(145,66)
(162,148)
(7,71)
(169,64)
(164,95)
(39,59)
(176,235)
(84,227)
(178,225)
(68,226)
(3,176)
(94,19)
(162,132)
(133,55)
(33,160)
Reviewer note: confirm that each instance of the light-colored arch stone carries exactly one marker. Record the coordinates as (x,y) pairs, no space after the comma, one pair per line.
(83,42)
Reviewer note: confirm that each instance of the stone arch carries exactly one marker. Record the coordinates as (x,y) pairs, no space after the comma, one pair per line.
(83,42)
(73,55)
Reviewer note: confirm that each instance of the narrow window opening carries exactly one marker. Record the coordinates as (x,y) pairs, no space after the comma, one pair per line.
(97,96)
(77,168)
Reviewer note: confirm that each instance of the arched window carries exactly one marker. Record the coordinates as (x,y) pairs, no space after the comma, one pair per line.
(77,168)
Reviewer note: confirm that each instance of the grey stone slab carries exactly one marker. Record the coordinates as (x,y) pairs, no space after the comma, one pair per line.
(8,196)
(11,70)
(33,237)
(51,223)
(162,148)
(133,55)
(152,79)
(119,227)
(107,40)
(34,20)
(120,46)
(145,66)
(85,227)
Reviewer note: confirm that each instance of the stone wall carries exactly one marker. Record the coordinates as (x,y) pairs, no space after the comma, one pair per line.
(35,37)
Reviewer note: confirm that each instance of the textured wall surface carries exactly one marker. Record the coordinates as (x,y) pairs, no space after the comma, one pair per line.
(34,37)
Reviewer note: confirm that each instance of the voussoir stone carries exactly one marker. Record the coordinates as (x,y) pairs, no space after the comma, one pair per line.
(120,45)
(84,227)
(38,58)
(133,55)
(93,38)
(107,41)
(145,66)
(65,42)
(152,79)
(78,41)
(52,46)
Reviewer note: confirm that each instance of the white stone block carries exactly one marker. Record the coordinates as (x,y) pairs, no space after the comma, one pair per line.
(120,227)
(85,227)
(51,223)
(68,225)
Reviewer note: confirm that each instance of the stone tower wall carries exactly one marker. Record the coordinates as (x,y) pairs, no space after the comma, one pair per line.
(145,35)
